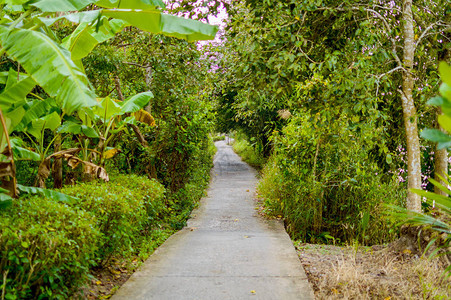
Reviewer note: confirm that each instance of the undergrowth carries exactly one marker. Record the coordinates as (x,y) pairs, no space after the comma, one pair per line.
(247,152)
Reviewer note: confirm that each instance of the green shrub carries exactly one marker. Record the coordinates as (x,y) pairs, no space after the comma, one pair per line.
(186,199)
(218,138)
(321,180)
(46,249)
(124,208)
(247,152)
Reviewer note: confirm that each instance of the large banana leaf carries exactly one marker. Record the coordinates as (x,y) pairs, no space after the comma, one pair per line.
(151,21)
(21,153)
(51,121)
(132,4)
(136,102)
(5,199)
(13,2)
(157,22)
(50,66)
(75,128)
(4,76)
(25,154)
(34,110)
(81,42)
(15,91)
(108,108)
(80,17)
(61,5)
(47,193)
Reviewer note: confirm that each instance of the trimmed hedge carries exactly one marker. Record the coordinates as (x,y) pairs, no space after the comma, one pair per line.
(47,247)
(124,208)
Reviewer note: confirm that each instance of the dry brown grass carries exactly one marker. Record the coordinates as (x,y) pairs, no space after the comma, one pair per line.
(372,273)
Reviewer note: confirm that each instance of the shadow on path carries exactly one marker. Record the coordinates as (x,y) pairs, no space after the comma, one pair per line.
(226,251)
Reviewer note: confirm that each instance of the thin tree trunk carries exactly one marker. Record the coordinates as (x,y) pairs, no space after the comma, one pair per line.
(57,170)
(409,111)
(8,169)
(117,85)
(139,135)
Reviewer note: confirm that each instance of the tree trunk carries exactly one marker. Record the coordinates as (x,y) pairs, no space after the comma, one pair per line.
(441,163)
(117,85)
(409,111)
(57,170)
(139,135)
(8,168)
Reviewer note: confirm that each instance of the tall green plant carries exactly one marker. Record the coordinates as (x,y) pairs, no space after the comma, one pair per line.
(26,36)
(439,216)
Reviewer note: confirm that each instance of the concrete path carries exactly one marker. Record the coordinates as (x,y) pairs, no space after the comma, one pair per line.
(226,251)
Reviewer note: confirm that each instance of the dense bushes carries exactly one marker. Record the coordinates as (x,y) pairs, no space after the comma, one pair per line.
(322,181)
(47,247)
(124,208)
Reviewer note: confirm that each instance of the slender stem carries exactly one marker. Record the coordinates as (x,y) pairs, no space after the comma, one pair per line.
(34,143)
(10,153)
(40,98)
(23,16)
(50,144)
(35,27)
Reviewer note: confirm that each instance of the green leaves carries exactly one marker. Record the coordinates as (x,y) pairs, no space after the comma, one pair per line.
(58,5)
(15,90)
(83,40)
(75,128)
(434,135)
(132,4)
(51,121)
(57,196)
(108,108)
(136,102)
(157,22)
(152,21)
(50,66)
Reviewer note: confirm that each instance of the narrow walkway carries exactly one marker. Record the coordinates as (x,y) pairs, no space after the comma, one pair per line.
(226,251)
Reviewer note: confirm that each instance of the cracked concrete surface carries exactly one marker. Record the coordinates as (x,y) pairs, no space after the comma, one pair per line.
(227,251)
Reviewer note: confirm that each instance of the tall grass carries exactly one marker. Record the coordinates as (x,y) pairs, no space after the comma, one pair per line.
(247,152)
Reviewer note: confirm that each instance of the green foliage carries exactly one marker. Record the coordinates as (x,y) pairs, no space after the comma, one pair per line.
(437,216)
(123,208)
(198,173)
(218,138)
(247,152)
(46,249)
(321,180)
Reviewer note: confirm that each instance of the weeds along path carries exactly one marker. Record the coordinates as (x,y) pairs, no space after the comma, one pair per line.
(226,251)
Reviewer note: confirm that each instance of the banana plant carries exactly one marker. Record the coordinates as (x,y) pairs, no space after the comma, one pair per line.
(111,117)
(56,66)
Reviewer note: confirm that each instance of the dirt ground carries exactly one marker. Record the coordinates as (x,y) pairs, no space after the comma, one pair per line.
(105,281)
(371,273)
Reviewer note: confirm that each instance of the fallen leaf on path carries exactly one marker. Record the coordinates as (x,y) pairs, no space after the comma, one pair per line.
(253,292)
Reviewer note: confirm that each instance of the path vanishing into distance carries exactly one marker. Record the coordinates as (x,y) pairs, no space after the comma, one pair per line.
(226,251)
